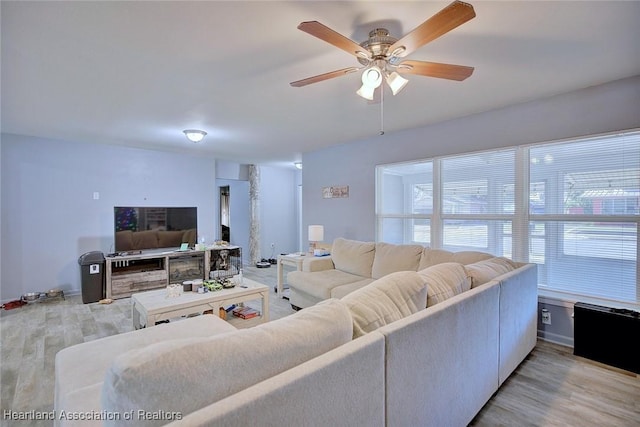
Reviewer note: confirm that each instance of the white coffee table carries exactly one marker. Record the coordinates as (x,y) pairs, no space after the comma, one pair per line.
(150,307)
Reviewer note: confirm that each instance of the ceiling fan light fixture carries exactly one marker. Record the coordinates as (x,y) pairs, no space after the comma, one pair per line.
(396,82)
(366,92)
(372,77)
(194,135)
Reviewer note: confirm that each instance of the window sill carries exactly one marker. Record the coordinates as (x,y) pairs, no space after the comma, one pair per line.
(566,299)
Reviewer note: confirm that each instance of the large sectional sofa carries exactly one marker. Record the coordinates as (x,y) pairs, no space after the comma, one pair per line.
(391,352)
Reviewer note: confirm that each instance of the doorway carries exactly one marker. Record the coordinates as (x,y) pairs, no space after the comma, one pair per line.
(225,214)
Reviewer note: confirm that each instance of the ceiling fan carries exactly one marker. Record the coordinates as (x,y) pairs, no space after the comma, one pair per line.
(382,55)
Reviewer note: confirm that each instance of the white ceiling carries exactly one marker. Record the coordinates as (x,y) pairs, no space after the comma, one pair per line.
(138,73)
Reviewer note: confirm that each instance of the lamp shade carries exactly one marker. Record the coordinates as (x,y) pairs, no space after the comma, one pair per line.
(396,82)
(316,233)
(366,92)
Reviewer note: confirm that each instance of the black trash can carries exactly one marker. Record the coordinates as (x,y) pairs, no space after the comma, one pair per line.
(93,277)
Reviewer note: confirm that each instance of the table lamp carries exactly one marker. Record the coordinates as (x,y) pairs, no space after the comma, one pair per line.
(316,234)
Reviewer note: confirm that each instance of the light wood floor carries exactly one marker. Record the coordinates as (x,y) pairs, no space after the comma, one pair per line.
(551,388)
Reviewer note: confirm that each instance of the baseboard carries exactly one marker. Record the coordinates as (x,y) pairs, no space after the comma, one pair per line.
(555,338)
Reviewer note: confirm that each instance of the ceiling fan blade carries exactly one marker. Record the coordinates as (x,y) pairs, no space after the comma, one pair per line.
(435,69)
(330,36)
(325,76)
(452,16)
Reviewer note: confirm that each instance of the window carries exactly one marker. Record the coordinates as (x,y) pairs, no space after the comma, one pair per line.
(478,202)
(586,195)
(572,207)
(406,206)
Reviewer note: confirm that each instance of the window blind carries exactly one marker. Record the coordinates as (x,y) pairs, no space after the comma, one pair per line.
(478,202)
(572,207)
(584,208)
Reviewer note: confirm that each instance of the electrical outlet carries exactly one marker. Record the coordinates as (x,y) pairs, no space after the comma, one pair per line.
(546,317)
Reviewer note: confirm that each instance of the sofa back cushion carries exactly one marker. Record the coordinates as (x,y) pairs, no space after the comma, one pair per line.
(437,256)
(433,256)
(486,270)
(190,236)
(390,258)
(188,374)
(352,256)
(444,281)
(386,300)
(147,239)
(170,239)
(468,257)
(124,240)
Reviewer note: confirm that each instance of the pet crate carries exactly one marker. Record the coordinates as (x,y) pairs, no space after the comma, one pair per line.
(225,262)
(186,267)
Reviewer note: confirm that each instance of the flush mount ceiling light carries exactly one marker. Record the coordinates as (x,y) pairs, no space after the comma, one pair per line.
(194,135)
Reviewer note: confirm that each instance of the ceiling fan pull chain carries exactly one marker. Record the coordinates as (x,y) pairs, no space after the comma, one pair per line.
(382,110)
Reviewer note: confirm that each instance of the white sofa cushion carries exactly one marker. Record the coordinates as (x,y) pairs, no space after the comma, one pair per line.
(390,258)
(433,256)
(343,290)
(319,284)
(486,270)
(386,300)
(186,375)
(438,256)
(445,281)
(352,256)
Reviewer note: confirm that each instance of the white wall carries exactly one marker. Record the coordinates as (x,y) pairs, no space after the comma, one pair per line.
(49,215)
(278,211)
(605,108)
(278,207)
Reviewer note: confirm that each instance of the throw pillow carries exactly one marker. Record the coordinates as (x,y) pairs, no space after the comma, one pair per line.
(386,300)
(445,281)
(484,271)
(184,375)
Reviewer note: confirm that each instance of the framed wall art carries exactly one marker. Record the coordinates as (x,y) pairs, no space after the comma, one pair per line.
(335,192)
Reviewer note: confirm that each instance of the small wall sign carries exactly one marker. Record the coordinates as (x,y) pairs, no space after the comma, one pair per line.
(335,192)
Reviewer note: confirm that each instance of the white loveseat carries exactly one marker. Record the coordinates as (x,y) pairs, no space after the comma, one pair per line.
(375,357)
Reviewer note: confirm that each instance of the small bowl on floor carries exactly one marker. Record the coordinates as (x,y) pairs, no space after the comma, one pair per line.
(54,293)
(31,296)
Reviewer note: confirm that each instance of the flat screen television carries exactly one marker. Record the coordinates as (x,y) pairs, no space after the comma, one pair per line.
(140,228)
